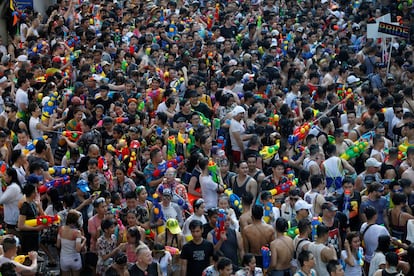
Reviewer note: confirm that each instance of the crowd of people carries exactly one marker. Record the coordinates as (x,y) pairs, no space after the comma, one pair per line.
(207,138)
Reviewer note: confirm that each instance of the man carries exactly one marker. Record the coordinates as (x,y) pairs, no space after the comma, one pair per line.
(22,98)
(153,180)
(391,264)
(197,254)
(288,208)
(349,204)
(229,243)
(303,210)
(334,268)
(329,220)
(370,231)
(199,106)
(10,252)
(140,211)
(93,153)
(322,253)
(243,183)
(254,171)
(246,217)
(307,263)
(281,250)
(370,175)
(237,135)
(257,234)
(376,200)
(89,136)
(212,215)
(313,196)
(301,242)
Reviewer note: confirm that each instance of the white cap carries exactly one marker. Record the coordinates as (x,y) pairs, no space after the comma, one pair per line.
(352,79)
(237,110)
(324,1)
(22,58)
(372,162)
(274,33)
(274,43)
(301,204)
(3,79)
(233,62)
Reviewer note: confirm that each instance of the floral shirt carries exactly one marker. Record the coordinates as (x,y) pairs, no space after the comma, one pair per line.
(104,247)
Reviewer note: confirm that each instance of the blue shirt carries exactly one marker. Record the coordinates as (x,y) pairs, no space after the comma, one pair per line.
(380,205)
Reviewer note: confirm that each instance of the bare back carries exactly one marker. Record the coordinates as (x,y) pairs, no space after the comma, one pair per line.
(282,249)
(257,235)
(244,220)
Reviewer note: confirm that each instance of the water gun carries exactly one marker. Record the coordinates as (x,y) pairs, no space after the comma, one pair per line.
(355,150)
(2,231)
(43,220)
(221,219)
(347,203)
(217,13)
(293,232)
(268,212)
(124,66)
(149,234)
(234,199)
(61,170)
(72,135)
(404,146)
(162,167)
(213,170)
(65,180)
(259,21)
(316,221)
(302,131)
(360,256)
(221,142)
(171,150)
(158,213)
(31,146)
(20,258)
(268,152)
(121,120)
(132,163)
(283,188)
(266,256)
(172,30)
(173,250)
(274,119)
(292,139)
(204,120)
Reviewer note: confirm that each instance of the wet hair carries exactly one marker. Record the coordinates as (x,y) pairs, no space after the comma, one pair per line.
(281,225)
(223,263)
(257,212)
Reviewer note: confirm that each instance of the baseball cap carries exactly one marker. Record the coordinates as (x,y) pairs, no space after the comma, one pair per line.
(167,192)
(172,225)
(372,162)
(301,204)
(83,186)
(237,110)
(22,58)
(181,120)
(107,120)
(103,63)
(352,79)
(329,206)
(3,79)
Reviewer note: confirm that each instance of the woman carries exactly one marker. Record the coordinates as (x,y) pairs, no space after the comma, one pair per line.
(123,184)
(206,143)
(225,267)
(10,199)
(144,219)
(75,123)
(398,218)
(164,258)
(119,267)
(209,188)
(71,242)
(378,260)
(194,186)
(145,265)
(352,255)
(29,210)
(133,241)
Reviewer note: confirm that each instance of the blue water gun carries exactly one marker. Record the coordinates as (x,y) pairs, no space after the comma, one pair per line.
(266,256)
(316,221)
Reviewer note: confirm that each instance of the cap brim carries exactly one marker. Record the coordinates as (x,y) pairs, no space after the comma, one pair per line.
(175,230)
(84,189)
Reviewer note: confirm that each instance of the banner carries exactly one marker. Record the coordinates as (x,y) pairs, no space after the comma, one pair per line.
(394,30)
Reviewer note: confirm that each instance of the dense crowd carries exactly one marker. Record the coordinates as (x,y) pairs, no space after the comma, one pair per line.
(207,138)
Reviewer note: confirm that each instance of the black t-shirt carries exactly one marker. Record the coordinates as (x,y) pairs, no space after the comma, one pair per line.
(151,271)
(180,114)
(197,256)
(203,108)
(228,32)
(106,104)
(353,208)
(206,229)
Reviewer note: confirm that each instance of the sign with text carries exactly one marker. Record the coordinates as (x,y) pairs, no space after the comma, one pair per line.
(394,30)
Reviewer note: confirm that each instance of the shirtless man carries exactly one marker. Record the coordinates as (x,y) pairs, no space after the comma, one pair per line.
(243,182)
(282,250)
(257,234)
(246,218)
(254,172)
(409,173)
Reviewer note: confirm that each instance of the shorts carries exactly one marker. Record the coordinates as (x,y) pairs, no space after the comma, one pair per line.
(285,272)
(70,262)
(236,156)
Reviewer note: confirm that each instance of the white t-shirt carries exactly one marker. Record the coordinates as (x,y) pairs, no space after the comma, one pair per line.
(34,131)
(351,270)
(371,238)
(21,97)
(186,228)
(376,261)
(209,191)
(236,126)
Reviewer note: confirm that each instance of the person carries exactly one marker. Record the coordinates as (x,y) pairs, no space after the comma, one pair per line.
(197,254)
(257,234)
(243,183)
(10,199)
(119,266)
(106,246)
(352,255)
(314,196)
(378,260)
(307,263)
(71,242)
(376,200)
(209,188)
(398,218)
(334,268)
(227,241)
(329,212)
(370,231)
(198,207)
(10,251)
(322,253)
(163,258)
(224,267)
(249,266)
(145,264)
(390,267)
(30,209)
(281,250)
(301,242)
(246,217)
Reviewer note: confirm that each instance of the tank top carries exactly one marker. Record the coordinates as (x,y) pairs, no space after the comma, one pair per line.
(240,190)
(229,246)
(320,266)
(398,231)
(68,247)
